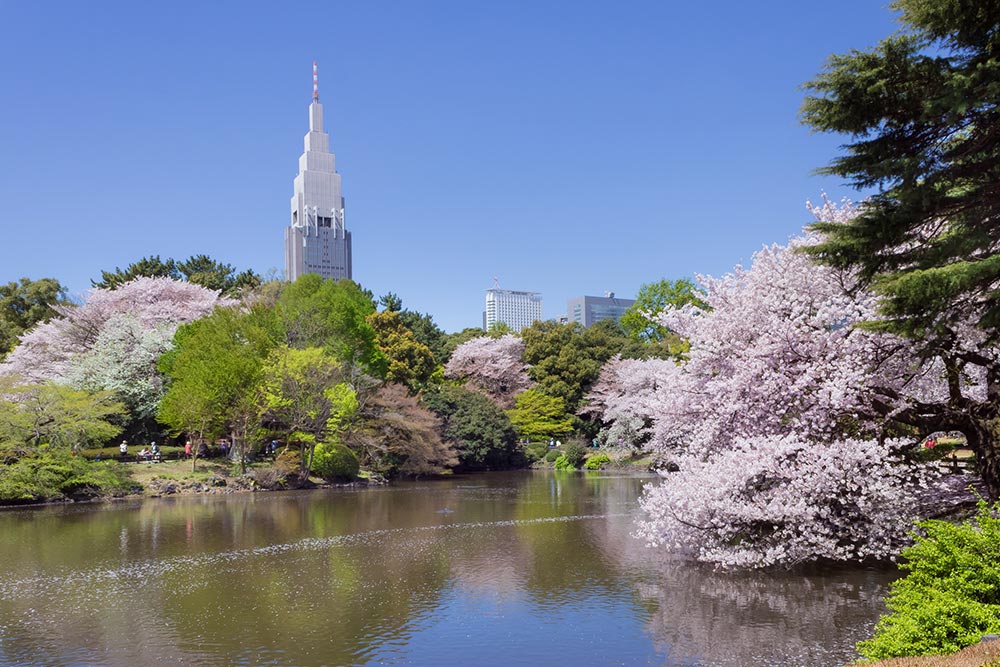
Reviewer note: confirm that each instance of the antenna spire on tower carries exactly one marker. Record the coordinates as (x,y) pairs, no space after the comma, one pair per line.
(315,81)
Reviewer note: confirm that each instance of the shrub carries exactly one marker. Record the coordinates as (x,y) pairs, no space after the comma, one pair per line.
(575,454)
(535,451)
(552,455)
(596,461)
(58,475)
(950,597)
(334,461)
(563,463)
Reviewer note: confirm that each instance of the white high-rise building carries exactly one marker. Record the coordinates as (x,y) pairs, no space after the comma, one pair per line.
(515,309)
(316,240)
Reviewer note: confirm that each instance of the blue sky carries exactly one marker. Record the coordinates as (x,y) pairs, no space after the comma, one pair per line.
(564,147)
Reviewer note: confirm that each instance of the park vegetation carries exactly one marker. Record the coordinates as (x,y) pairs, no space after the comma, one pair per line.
(785,402)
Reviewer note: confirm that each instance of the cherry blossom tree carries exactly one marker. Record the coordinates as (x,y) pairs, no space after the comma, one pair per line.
(789,377)
(786,500)
(112,341)
(493,366)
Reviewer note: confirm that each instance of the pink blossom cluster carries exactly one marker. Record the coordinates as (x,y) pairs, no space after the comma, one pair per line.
(159,305)
(785,500)
(781,385)
(494,366)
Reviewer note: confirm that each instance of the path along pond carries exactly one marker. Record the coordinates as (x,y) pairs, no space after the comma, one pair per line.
(523,568)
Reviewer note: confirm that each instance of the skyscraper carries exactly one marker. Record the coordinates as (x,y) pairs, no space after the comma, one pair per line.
(515,309)
(316,240)
(589,310)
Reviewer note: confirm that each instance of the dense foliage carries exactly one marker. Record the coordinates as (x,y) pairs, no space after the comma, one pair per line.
(639,321)
(197,269)
(55,474)
(395,435)
(334,462)
(33,415)
(537,415)
(480,431)
(950,596)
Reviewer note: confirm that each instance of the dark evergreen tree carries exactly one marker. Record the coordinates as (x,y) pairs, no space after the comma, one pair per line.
(481,432)
(922,111)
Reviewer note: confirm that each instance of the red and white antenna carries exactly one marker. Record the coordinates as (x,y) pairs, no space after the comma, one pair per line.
(315,81)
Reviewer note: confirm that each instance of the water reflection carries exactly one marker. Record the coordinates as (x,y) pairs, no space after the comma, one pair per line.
(521,568)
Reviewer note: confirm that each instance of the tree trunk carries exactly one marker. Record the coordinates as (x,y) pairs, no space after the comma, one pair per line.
(983,439)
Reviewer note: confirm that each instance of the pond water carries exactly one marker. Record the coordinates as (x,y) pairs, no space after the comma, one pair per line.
(524,568)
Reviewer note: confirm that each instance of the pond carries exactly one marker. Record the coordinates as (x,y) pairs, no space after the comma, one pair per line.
(520,568)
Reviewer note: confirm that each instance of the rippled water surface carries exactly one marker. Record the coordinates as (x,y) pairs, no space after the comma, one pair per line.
(528,568)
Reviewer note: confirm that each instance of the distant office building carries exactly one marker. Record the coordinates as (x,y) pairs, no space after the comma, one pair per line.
(590,309)
(515,309)
(316,240)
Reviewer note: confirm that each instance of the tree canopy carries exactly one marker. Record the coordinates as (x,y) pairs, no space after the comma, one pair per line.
(639,321)
(921,112)
(198,269)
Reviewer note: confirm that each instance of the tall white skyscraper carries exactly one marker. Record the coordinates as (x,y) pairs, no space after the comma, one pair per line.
(316,240)
(515,309)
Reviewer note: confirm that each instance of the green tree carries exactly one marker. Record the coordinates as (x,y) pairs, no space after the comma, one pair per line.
(427,332)
(538,416)
(332,314)
(215,372)
(25,303)
(35,414)
(481,432)
(391,302)
(150,267)
(424,330)
(198,269)
(295,387)
(566,359)
(207,272)
(921,110)
(408,361)
(653,298)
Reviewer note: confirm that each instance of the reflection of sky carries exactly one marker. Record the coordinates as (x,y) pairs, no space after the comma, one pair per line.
(513,569)
(587,627)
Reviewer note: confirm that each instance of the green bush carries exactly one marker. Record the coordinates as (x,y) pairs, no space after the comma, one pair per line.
(596,461)
(950,597)
(563,463)
(334,461)
(552,455)
(576,453)
(58,475)
(535,451)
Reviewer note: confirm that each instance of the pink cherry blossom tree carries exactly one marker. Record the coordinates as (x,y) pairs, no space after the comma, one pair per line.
(783,388)
(493,366)
(113,340)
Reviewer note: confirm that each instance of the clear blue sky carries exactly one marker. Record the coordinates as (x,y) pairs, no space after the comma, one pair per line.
(564,147)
